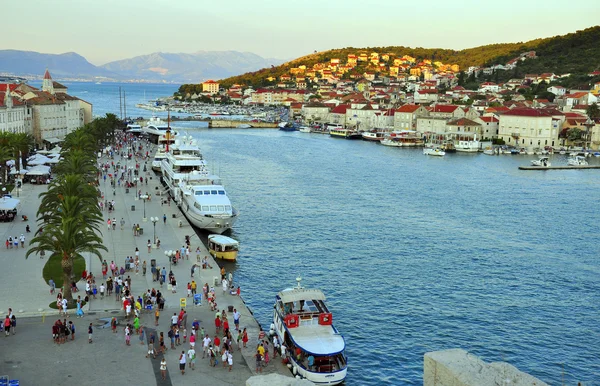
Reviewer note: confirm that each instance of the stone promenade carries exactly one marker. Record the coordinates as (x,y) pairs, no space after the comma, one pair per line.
(108,359)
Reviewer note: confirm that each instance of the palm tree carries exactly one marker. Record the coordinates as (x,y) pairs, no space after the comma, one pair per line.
(69,238)
(21,144)
(77,162)
(79,139)
(72,185)
(5,156)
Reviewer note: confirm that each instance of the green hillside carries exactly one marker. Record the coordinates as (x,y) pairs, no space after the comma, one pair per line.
(577,53)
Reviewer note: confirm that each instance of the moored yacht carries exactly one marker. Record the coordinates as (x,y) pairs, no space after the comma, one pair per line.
(374,136)
(200,195)
(302,321)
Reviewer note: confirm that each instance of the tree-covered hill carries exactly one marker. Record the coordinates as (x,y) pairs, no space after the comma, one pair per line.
(576,53)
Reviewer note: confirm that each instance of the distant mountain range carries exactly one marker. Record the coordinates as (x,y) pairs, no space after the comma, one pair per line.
(157,67)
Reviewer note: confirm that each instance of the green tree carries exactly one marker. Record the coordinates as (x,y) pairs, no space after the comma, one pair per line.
(593,112)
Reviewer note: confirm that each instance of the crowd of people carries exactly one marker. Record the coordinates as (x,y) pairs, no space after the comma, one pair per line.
(116,281)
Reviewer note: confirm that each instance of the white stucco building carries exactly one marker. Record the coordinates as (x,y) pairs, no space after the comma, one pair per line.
(53,113)
(527,127)
(15,116)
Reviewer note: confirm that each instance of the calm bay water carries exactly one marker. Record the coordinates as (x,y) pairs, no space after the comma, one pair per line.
(415,253)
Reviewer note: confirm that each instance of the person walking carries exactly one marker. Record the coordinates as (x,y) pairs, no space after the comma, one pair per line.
(7,325)
(182,360)
(191,358)
(90,333)
(72,329)
(163,369)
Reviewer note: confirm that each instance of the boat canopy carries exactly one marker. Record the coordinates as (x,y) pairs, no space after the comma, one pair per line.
(223,240)
(297,294)
(318,339)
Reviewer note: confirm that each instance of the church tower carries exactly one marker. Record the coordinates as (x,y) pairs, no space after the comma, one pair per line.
(47,83)
(8,101)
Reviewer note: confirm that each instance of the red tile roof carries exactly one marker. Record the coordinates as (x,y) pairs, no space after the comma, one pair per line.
(489,119)
(47,75)
(528,112)
(462,122)
(444,108)
(341,109)
(408,108)
(11,86)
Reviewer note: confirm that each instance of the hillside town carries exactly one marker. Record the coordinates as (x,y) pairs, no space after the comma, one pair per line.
(48,115)
(406,94)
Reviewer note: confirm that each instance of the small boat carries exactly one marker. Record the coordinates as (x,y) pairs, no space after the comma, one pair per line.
(286,126)
(223,247)
(435,152)
(544,161)
(448,147)
(577,161)
(374,136)
(305,129)
(488,151)
(302,321)
(244,126)
(597,154)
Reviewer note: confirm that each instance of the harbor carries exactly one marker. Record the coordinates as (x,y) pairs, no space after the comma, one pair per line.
(308,216)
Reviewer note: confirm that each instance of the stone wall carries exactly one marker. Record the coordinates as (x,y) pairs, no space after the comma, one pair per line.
(456,367)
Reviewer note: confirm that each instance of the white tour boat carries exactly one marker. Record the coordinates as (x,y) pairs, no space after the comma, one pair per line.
(434,152)
(200,195)
(544,161)
(315,348)
(375,136)
(467,145)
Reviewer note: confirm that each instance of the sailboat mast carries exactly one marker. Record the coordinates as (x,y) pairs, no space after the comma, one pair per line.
(124,106)
(120,105)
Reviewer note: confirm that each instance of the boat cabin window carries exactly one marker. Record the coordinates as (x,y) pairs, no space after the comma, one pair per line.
(221,192)
(196,205)
(221,208)
(227,207)
(213,192)
(207,192)
(198,192)
(213,208)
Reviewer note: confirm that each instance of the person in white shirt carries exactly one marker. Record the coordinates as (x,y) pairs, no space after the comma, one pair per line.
(102,288)
(174,319)
(205,343)
(191,358)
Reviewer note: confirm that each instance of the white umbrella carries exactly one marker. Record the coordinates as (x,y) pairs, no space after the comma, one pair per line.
(38,159)
(39,170)
(7,203)
(13,171)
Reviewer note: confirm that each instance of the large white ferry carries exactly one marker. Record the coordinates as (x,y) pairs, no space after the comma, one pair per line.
(200,195)
(303,322)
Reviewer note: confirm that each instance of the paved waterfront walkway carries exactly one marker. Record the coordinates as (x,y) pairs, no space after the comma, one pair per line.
(26,293)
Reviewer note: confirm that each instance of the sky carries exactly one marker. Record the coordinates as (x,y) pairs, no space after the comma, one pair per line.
(107,30)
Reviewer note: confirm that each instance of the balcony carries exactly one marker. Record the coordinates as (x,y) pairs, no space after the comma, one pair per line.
(515,135)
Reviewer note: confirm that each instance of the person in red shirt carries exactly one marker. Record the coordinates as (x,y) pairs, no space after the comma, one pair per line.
(217,343)
(225,325)
(217,324)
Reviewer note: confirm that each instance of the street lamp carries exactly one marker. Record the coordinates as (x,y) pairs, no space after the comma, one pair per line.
(144,197)
(154,221)
(170,254)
